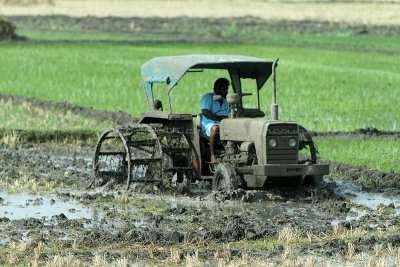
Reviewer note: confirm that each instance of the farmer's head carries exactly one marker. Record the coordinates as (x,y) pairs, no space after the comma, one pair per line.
(221,86)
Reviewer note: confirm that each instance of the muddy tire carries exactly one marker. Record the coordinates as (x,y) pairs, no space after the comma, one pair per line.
(225,178)
(128,154)
(179,177)
(306,141)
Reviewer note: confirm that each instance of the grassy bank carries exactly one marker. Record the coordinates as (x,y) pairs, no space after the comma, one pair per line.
(33,118)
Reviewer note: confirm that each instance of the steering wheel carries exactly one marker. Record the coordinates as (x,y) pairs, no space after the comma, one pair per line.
(245,94)
(240,110)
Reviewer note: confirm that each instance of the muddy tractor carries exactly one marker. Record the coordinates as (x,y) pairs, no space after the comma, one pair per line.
(170,148)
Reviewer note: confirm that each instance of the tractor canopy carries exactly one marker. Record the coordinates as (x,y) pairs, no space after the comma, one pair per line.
(170,69)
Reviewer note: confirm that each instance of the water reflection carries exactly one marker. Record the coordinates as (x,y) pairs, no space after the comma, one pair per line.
(24,205)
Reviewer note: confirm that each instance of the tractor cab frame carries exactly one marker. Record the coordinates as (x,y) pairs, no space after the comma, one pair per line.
(253,152)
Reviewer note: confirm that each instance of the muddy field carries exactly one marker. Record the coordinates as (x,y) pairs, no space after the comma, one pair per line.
(49,216)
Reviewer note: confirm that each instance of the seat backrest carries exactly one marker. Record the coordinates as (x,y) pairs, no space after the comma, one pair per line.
(198,120)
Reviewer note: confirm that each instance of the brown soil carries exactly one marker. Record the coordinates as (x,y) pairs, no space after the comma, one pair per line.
(188,28)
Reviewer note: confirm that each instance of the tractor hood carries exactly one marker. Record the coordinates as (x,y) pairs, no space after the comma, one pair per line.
(255,131)
(250,129)
(243,129)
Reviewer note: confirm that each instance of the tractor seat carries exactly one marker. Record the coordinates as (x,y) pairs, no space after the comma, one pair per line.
(198,121)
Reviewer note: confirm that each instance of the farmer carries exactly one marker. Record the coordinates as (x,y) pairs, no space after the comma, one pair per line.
(213,111)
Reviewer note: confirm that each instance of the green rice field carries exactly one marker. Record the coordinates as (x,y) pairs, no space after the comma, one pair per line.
(333,81)
(378,153)
(323,89)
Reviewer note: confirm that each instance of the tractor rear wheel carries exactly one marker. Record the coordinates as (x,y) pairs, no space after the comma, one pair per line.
(225,178)
(142,153)
(128,154)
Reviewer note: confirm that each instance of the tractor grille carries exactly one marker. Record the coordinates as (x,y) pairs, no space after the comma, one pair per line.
(282,153)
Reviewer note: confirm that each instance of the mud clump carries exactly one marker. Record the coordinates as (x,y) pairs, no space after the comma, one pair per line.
(223,195)
(372,180)
(237,228)
(360,132)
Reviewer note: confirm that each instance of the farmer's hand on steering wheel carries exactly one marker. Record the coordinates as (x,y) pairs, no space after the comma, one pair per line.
(223,117)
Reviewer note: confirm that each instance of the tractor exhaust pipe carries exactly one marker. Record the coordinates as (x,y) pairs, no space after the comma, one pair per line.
(274,106)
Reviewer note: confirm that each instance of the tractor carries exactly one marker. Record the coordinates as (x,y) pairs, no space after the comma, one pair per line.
(169,147)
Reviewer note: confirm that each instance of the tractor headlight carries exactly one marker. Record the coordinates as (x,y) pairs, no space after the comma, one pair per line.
(292,142)
(272,142)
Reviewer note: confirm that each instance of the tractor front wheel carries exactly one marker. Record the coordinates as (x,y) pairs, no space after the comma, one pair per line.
(225,178)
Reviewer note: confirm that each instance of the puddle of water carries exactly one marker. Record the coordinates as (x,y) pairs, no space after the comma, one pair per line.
(372,201)
(139,223)
(24,205)
(357,215)
(368,200)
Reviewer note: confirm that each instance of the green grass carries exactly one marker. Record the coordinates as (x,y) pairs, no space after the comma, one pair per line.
(323,87)
(28,117)
(372,152)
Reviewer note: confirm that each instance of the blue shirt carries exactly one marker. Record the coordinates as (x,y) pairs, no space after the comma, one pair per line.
(214,106)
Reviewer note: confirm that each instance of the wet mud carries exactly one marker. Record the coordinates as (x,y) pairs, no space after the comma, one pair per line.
(44,199)
(47,210)
(370,180)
